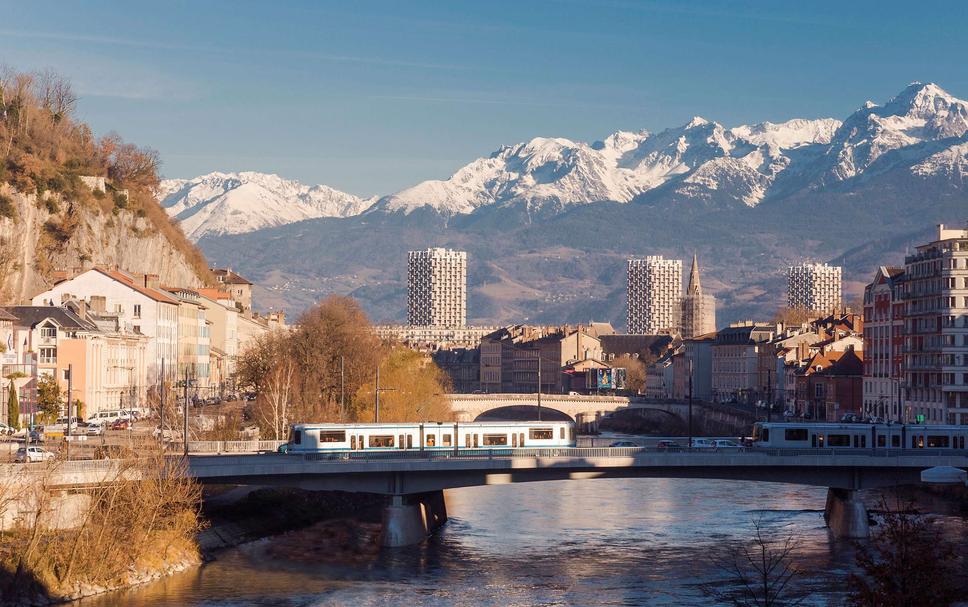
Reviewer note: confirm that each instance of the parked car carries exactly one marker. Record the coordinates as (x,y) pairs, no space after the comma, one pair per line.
(623,443)
(726,445)
(667,445)
(5,429)
(93,429)
(849,418)
(121,424)
(702,443)
(30,454)
(37,435)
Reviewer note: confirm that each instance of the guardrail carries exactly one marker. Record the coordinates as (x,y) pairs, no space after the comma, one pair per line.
(219,447)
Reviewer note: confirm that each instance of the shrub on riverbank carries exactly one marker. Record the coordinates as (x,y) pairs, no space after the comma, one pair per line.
(141,520)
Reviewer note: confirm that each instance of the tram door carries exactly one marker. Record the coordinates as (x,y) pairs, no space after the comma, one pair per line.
(522,439)
(360,442)
(813,441)
(353,442)
(402,444)
(514,440)
(410,441)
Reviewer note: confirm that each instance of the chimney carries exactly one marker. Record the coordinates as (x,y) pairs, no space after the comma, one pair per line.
(98,304)
(151,281)
(82,308)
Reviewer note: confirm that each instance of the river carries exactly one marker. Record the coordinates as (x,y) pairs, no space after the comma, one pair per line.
(590,543)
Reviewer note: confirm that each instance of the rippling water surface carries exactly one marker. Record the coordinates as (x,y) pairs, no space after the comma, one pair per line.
(594,543)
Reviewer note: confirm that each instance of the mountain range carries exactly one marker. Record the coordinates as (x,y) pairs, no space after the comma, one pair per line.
(548,223)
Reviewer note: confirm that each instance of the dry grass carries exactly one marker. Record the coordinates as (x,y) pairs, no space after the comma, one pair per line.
(142,517)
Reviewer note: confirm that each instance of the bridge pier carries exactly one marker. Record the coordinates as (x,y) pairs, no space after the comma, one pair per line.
(409,519)
(846,514)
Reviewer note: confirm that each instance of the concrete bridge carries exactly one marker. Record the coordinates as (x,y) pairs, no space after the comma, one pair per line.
(414,481)
(588,410)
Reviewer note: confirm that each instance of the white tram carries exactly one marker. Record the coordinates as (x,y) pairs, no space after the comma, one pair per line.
(442,436)
(792,435)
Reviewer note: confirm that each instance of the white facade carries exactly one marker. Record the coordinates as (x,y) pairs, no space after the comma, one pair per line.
(142,309)
(654,295)
(437,288)
(814,286)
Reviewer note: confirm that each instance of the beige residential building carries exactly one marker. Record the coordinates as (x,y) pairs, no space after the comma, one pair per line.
(736,361)
(238,288)
(510,357)
(193,338)
(223,336)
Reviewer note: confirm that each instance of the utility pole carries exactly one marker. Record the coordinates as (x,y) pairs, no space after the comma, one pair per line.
(376,410)
(769,395)
(70,385)
(539,383)
(342,389)
(161,407)
(690,403)
(185,415)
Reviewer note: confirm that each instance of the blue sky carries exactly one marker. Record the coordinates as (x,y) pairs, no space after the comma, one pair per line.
(371,97)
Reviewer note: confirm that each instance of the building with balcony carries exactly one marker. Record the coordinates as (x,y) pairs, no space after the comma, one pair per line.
(138,302)
(815,287)
(437,288)
(736,361)
(935,347)
(883,341)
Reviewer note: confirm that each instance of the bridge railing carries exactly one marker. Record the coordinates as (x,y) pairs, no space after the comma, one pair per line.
(224,446)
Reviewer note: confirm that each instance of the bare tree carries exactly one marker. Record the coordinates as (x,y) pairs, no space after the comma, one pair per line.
(131,165)
(274,400)
(55,95)
(759,572)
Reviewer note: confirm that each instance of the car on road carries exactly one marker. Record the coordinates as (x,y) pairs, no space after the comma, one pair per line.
(93,429)
(702,443)
(667,445)
(121,424)
(624,443)
(30,454)
(721,444)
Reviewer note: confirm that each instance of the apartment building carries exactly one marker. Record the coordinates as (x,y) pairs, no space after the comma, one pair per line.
(814,286)
(238,288)
(735,361)
(194,341)
(883,344)
(437,288)
(138,302)
(654,295)
(935,348)
(510,357)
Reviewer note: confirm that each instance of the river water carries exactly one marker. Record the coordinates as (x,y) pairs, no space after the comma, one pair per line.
(590,543)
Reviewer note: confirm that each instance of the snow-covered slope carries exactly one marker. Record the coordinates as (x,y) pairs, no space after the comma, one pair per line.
(554,173)
(235,203)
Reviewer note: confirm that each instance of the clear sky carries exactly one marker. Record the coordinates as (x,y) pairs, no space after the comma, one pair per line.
(371,97)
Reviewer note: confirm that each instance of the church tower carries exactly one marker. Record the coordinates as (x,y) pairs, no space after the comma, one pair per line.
(698,310)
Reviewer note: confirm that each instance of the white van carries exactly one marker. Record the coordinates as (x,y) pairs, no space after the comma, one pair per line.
(105,418)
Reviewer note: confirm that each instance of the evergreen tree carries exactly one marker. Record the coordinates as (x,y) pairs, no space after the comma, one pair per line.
(13,408)
(48,398)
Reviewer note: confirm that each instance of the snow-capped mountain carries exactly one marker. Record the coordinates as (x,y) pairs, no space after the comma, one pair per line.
(558,172)
(236,203)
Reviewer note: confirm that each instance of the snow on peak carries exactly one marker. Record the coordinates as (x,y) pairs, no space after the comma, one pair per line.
(236,203)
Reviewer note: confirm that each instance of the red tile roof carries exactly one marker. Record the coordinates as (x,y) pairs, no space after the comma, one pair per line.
(126,280)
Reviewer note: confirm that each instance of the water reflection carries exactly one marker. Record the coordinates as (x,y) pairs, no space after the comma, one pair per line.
(596,542)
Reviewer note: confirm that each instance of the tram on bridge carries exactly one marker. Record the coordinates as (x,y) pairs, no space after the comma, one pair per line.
(429,436)
(792,435)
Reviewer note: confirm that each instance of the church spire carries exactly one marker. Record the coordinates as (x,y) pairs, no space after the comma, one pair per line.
(694,287)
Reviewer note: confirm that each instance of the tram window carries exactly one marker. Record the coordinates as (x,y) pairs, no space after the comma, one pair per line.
(881,440)
(962,442)
(514,439)
(795,434)
(446,440)
(381,441)
(431,440)
(353,442)
(914,442)
(521,439)
(477,440)
(561,434)
(495,440)
(297,437)
(937,442)
(467,440)
(541,434)
(896,441)
(765,435)
(838,440)
(401,443)
(335,436)
(863,441)
(410,441)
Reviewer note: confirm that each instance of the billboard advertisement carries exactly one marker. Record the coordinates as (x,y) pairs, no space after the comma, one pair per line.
(607,379)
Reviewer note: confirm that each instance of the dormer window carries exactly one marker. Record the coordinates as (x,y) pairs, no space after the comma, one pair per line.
(48,332)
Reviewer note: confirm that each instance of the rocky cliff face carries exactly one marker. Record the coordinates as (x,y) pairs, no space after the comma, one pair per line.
(47,234)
